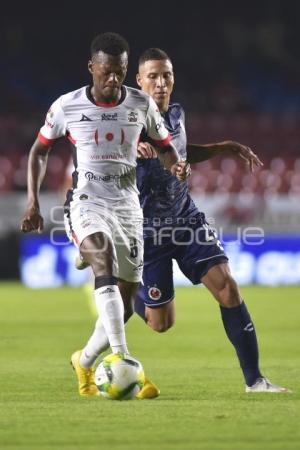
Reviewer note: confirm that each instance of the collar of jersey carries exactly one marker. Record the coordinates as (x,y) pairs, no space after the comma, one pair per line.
(106,105)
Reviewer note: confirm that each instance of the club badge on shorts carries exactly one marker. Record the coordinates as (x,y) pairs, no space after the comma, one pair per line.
(154,293)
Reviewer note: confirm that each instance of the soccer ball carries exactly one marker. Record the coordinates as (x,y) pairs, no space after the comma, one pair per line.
(119,376)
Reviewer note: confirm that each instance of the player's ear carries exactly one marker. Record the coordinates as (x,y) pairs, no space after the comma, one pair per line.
(90,66)
(138,80)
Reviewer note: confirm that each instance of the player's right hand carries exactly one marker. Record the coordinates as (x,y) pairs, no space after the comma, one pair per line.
(245,153)
(32,221)
(146,150)
(183,170)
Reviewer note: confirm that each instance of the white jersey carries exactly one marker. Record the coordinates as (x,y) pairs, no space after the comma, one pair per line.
(105,139)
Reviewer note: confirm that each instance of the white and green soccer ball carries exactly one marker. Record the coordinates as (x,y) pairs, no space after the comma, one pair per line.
(119,376)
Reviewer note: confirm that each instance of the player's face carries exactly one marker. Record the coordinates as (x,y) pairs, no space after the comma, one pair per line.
(108,74)
(157,79)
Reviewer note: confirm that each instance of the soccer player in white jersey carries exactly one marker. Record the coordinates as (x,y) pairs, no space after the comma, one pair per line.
(104,122)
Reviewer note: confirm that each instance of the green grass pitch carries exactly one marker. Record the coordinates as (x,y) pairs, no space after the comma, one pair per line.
(202,403)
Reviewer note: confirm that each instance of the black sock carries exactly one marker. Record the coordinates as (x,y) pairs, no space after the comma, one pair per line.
(241,333)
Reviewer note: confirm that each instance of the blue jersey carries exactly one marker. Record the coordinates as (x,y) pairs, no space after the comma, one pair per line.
(181,231)
(162,195)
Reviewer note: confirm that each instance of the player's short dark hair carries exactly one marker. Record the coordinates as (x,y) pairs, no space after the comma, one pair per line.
(111,43)
(153,53)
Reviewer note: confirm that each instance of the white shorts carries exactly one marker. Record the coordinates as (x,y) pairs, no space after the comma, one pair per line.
(123,224)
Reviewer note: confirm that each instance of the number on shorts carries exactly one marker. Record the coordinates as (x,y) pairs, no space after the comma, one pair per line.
(133,248)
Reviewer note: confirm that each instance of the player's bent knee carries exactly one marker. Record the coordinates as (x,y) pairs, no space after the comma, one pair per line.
(98,250)
(162,318)
(229,295)
(162,325)
(231,285)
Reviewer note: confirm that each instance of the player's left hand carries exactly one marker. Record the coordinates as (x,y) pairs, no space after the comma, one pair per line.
(181,170)
(245,153)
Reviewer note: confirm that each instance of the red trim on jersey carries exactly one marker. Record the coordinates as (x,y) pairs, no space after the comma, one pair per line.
(163,142)
(75,238)
(122,136)
(71,139)
(96,137)
(107,105)
(45,140)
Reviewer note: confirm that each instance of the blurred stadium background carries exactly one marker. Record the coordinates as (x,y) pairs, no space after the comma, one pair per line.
(237,69)
(237,76)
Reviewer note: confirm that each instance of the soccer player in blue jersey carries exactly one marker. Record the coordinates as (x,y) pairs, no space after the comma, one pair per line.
(171,221)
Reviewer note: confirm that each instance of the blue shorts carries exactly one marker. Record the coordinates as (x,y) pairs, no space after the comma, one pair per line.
(196,249)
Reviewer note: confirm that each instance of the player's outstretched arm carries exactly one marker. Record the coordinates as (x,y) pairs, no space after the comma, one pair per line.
(37,164)
(198,153)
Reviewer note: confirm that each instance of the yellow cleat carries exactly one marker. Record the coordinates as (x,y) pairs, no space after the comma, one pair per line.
(149,390)
(86,377)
